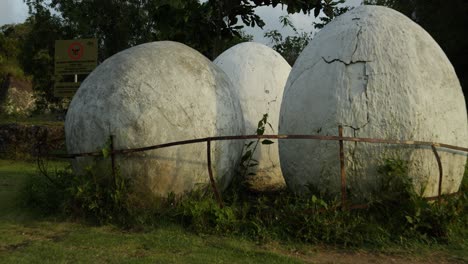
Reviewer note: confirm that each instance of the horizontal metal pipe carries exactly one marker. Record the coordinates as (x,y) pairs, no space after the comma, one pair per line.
(316,137)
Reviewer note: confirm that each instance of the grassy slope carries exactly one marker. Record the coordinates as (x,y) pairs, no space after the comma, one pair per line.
(12,177)
(66,242)
(26,238)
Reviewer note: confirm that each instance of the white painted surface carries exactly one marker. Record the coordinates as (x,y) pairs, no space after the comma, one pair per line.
(380,75)
(259,75)
(152,94)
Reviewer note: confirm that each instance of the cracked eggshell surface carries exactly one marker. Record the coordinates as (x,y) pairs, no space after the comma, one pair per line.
(152,94)
(259,75)
(379,75)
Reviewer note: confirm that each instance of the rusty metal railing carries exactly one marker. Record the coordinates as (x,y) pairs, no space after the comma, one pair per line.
(340,138)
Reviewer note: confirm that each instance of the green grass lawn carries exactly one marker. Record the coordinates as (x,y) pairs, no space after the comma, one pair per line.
(12,177)
(51,242)
(38,120)
(26,237)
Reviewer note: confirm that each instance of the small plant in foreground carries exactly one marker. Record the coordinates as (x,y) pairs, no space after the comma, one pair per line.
(94,194)
(247,160)
(99,197)
(46,193)
(409,212)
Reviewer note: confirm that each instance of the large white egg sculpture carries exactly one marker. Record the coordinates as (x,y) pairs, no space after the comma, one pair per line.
(259,75)
(152,94)
(379,75)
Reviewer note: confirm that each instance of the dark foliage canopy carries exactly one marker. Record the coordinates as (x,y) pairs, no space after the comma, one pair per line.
(208,26)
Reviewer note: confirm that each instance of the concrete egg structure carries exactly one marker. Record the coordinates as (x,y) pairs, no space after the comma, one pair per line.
(259,75)
(379,75)
(152,94)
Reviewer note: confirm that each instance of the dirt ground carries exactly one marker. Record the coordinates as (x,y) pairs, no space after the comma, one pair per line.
(327,255)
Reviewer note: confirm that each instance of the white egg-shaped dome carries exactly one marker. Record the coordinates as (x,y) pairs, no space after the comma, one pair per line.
(379,75)
(259,75)
(152,94)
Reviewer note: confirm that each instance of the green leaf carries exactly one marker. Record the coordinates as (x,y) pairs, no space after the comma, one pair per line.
(324,204)
(260,124)
(246,155)
(270,126)
(106,149)
(409,219)
(267,142)
(249,144)
(105,152)
(317,11)
(314,198)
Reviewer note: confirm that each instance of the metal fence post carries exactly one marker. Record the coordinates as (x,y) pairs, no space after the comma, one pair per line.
(342,167)
(441,172)
(210,173)
(112,154)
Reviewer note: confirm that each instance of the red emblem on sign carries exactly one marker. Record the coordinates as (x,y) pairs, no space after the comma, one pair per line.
(75,51)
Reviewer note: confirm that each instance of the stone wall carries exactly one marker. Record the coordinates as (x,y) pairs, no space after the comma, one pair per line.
(19,141)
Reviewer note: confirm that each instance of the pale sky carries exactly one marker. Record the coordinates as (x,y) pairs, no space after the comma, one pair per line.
(12,11)
(271,17)
(16,11)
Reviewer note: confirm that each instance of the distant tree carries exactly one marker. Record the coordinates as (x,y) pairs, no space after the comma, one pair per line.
(209,27)
(446,22)
(324,20)
(37,55)
(12,39)
(291,46)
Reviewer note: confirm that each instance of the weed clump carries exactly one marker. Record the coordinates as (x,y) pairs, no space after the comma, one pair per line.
(90,195)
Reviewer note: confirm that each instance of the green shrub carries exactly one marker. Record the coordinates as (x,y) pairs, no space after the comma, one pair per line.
(46,194)
(99,196)
(396,214)
(407,213)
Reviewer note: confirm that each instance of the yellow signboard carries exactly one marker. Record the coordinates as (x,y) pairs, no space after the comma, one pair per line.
(74,67)
(72,58)
(66,89)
